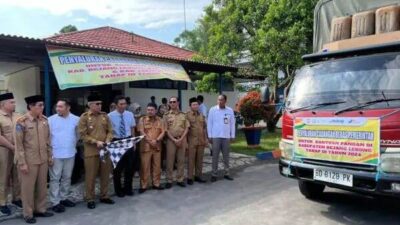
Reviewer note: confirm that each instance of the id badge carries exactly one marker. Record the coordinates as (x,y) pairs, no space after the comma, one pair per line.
(226,120)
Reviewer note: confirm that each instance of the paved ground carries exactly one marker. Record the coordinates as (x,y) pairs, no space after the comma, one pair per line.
(259,195)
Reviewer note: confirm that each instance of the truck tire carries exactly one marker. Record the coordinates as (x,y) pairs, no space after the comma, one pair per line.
(311,190)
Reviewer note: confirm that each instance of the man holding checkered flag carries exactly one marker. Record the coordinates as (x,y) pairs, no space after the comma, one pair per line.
(123,123)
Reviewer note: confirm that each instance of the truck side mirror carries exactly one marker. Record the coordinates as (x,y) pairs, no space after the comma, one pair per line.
(264,94)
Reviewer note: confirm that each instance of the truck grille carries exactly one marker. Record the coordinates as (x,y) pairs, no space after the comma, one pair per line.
(350,166)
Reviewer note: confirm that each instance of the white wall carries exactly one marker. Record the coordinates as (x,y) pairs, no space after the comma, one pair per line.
(142,96)
(25,82)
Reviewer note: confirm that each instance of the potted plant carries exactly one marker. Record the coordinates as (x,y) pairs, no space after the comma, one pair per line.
(253,111)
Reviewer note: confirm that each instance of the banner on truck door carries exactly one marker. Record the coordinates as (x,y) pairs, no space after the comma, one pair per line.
(79,68)
(350,140)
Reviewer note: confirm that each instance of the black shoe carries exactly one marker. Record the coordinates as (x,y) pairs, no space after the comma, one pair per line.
(67,203)
(58,208)
(91,205)
(30,220)
(198,179)
(168,185)
(43,214)
(213,179)
(181,184)
(120,194)
(108,201)
(158,188)
(227,177)
(5,210)
(18,203)
(190,181)
(142,190)
(129,193)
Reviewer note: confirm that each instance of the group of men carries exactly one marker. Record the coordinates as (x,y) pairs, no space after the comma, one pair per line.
(33,146)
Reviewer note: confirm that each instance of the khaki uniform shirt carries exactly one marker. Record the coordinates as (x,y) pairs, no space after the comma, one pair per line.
(196,134)
(175,123)
(7,124)
(152,128)
(32,140)
(92,128)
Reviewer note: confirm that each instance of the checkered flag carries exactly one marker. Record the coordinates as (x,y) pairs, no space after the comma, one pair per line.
(117,149)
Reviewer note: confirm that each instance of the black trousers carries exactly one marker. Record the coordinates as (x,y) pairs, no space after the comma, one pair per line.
(126,165)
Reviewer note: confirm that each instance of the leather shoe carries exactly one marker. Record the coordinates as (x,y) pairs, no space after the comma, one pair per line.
(18,203)
(91,205)
(129,193)
(213,179)
(181,184)
(108,201)
(67,203)
(142,190)
(58,208)
(43,214)
(168,185)
(30,220)
(120,194)
(227,177)
(190,181)
(198,179)
(158,188)
(5,210)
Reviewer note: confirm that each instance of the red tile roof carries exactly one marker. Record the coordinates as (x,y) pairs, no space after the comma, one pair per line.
(117,40)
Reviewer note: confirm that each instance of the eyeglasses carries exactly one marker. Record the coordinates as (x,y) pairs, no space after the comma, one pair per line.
(172,101)
(98,103)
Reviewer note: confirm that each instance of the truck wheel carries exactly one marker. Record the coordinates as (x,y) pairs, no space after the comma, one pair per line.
(311,190)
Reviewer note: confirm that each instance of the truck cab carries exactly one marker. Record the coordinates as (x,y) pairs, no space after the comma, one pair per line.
(350,84)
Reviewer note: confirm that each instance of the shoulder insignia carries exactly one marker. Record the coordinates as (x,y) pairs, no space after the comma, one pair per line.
(21,119)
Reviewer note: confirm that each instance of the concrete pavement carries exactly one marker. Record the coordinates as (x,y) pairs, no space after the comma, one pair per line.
(259,195)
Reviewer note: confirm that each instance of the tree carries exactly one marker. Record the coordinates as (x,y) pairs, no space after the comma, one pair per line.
(271,34)
(67,29)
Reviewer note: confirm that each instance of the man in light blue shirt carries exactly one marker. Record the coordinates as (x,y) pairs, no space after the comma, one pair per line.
(221,131)
(64,136)
(123,122)
(202,108)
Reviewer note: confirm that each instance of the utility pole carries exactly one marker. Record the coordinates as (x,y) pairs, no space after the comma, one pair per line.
(184,13)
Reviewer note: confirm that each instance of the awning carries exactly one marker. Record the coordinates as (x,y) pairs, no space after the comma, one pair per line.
(80,68)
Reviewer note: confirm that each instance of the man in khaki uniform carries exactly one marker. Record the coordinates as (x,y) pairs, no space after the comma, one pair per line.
(33,155)
(95,129)
(177,128)
(8,170)
(152,127)
(197,139)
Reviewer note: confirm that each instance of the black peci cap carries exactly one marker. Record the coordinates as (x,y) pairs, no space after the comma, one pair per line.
(33,99)
(191,100)
(94,98)
(6,96)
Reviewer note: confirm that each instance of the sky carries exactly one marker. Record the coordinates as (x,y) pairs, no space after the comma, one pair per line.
(162,20)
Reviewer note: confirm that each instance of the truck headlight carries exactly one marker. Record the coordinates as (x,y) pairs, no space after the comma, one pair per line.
(390,162)
(286,148)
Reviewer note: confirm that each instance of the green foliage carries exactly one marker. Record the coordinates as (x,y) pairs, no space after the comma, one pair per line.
(272,34)
(67,29)
(209,82)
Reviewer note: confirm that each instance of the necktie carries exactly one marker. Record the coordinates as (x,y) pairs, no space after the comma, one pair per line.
(122,127)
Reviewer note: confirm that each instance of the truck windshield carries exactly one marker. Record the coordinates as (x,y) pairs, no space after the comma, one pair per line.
(348,81)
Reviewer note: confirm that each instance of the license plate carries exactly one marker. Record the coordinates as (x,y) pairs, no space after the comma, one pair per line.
(333,177)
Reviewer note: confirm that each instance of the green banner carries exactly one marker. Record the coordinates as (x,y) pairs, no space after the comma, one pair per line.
(79,68)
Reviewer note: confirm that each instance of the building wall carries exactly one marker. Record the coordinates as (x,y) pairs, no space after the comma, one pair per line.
(142,96)
(23,83)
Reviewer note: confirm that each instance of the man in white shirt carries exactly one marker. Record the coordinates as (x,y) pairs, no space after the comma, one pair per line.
(202,108)
(64,136)
(221,131)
